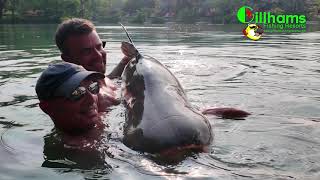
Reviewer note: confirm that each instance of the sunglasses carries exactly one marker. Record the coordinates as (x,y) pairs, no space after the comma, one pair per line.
(79,93)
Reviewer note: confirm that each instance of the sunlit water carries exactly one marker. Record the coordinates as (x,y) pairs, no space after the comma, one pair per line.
(276,79)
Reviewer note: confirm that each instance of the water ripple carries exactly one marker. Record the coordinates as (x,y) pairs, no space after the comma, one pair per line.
(17,100)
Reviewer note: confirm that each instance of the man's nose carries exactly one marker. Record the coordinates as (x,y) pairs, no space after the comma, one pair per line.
(98,53)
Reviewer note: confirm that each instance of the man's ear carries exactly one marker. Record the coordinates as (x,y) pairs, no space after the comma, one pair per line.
(66,58)
(45,107)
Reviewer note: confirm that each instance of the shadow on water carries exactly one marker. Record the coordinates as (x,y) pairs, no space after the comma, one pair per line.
(57,154)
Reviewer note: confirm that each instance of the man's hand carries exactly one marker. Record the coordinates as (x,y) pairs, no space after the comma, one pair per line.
(107,95)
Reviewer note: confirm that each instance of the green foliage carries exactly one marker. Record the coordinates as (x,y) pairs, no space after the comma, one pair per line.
(113,17)
(187,16)
(133,6)
(139,11)
(138,18)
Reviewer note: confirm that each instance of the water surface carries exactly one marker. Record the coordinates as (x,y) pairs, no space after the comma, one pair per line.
(276,79)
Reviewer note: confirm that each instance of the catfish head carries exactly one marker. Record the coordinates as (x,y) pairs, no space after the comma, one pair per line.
(128,49)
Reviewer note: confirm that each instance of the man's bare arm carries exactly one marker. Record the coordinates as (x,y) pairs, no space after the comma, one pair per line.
(117,71)
(129,52)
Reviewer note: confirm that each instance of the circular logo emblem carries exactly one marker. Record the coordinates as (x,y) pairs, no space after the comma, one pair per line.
(245,14)
(253,32)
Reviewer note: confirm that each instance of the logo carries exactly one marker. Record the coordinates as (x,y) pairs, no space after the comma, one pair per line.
(245,14)
(253,32)
(270,22)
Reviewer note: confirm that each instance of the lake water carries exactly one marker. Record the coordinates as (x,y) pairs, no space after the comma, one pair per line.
(277,79)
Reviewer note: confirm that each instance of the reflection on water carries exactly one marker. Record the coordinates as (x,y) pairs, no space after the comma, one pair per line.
(276,79)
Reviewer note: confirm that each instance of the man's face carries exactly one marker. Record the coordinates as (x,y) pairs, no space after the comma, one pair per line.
(73,115)
(86,50)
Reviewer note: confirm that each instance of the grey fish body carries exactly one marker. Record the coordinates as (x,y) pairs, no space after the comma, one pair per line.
(158,114)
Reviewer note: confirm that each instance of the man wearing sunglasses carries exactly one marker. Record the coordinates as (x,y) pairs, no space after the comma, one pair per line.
(80,44)
(69,95)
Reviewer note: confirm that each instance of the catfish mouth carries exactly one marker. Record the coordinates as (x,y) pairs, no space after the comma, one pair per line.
(177,154)
(184,149)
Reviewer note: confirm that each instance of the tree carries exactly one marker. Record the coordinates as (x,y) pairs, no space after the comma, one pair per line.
(2,5)
(82,8)
(132,6)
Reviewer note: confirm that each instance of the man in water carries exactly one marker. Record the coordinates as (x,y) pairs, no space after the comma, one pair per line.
(80,44)
(69,95)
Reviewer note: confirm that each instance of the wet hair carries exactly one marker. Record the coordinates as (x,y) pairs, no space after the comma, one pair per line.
(72,27)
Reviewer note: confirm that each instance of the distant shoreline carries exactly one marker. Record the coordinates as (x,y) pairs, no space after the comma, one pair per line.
(146,23)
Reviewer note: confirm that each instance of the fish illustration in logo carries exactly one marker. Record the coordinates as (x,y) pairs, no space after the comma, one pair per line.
(253,31)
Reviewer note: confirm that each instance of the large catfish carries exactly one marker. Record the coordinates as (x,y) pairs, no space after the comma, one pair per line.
(159,117)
